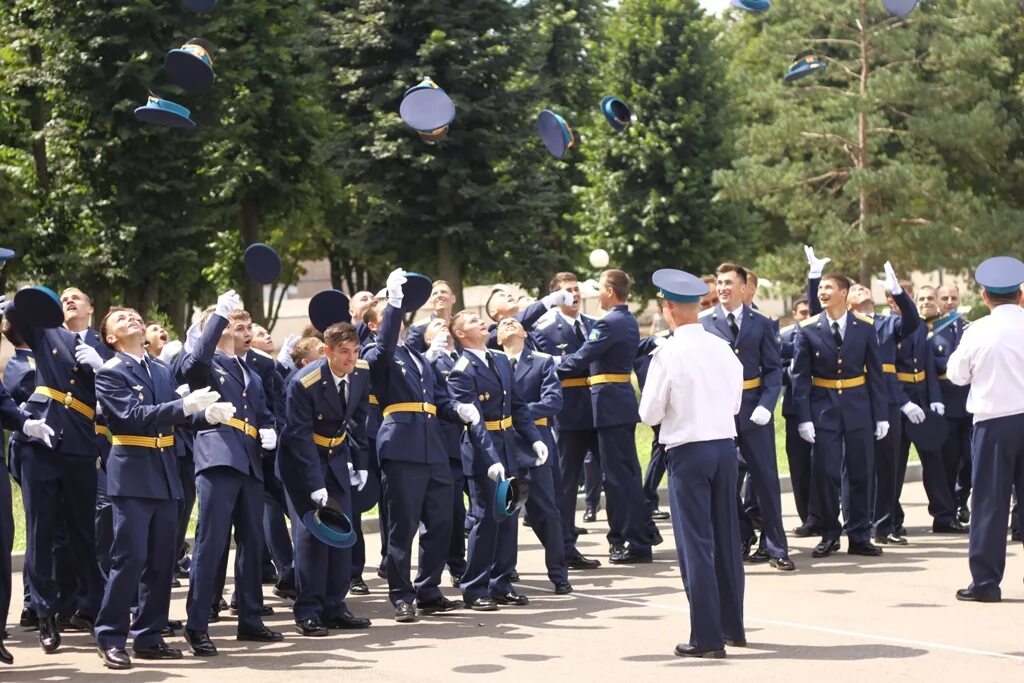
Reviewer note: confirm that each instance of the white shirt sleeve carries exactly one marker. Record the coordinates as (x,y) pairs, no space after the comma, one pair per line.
(959,365)
(656,392)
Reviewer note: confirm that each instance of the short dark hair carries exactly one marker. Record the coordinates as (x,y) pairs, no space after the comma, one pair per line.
(374,312)
(839,280)
(801,300)
(740,271)
(619,282)
(340,333)
(1000,299)
(311,331)
(559,278)
(106,318)
(305,346)
(456,322)
(10,333)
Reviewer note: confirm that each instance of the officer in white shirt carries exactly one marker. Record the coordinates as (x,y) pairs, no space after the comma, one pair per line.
(991,359)
(694,389)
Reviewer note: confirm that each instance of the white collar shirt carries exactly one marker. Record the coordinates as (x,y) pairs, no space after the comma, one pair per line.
(990,358)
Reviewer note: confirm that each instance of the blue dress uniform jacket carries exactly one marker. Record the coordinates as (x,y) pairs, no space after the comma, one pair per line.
(140,408)
(20,382)
(538,384)
(787,345)
(273,383)
(915,369)
(373,417)
(943,343)
(607,357)
(528,317)
(554,336)
(453,431)
(12,418)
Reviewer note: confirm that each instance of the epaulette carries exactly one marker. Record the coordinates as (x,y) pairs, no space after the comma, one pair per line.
(262,353)
(663,333)
(787,328)
(362,364)
(763,315)
(810,321)
(461,364)
(541,354)
(421,321)
(545,320)
(863,318)
(112,363)
(32,362)
(310,379)
(706,312)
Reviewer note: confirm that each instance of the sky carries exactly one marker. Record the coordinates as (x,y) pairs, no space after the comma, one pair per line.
(714,6)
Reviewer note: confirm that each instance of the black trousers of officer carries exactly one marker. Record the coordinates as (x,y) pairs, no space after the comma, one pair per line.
(798,453)
(187,470)
(655,472)
(138,591)
(573,445)
(593,480)
(457,544)
(491,550)
(545,519)
(702,485)
(883,486)
(936,485)
(629,520)
(757,449)
(382,506)
(844,461)
(414,493)
(958,445)
(226,497)
(998,461)
(104,524)
(56,489)
(6,547)
(277,540)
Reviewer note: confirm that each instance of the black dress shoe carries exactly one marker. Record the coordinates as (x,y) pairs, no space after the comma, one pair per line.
(346,621)
(286,592)
(867,549)
(222,604)
(514,576)
(456,580)
(656,539)
(748,544)
(888,539)
(759,557)
(5,656)
(901,530)
(783,564)
(82,621)
(49,637)
(260,635)
(115,658)
(963,514)
(382,573)
(271,579)
(615,548)
(483,605)
(590,515)
(358,586)
(660,515)
(580,531)
(200,644)
(630,556)
(438,606)
(214,615)
(825,548)
(1015,535)
(29,619)
(175,583)
(174,624)
(311,628)
(180,573)
(580,562)
(803,531)
(954,527)
(265,610)
(968,595)
(563,588)
(405,613)
(527,522)
(158,651)
(691,651)
(736,642)
(511,598)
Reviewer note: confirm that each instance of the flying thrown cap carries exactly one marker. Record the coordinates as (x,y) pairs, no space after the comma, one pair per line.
(804,64)
(415,292)
(201,6)
(755,6)
(899,8)
(1000,275)
(617,113)
(558,137)
(5,256)
(510,496)
(327,308)
(190,67)
(330,525)
(40,306)
(679,286)
(164,113)
(427,109)
(262,264)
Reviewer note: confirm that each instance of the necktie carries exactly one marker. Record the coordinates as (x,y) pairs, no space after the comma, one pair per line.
(579,333)
(145,366)
(835,335)
(732,325)
(343,394)
(455,356)
(492,366)
(515,362)
(241,369)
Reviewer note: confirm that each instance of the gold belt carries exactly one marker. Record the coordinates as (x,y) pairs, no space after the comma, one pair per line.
(913,378)
(67,400)
(498,425)
(889,367)
(608,379)
(541,422)
(848,383)
(329,442)
(575,383)
(373,400)
(751,383)
(242,427)
(143,441)
(101,430)
(410,408)
(944,378)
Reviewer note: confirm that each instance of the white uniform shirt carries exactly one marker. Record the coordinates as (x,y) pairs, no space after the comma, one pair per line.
(694,388)
(990,358)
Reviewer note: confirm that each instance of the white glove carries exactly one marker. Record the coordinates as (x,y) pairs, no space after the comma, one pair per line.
(560,297)
(496,472)
(761,416)
(438,346)
(394,286)
(815,265)
(284,356)
(892,284)
(170,350)
(192,337)
(939,408)
(183,390)
(227,303)
(357,478)
(200,399)
(913,412)
(468,413)
(86,355)
(540,449)
(806,431)
(216,413)
(319,497)
(38,429)
(881,429)
(268,439)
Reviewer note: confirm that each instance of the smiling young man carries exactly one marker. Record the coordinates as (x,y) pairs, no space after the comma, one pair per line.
(442,301)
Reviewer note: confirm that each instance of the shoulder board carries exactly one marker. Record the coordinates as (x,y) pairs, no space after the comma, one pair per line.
(262,353)
(421,322)
(541,354)
(545,320)
(461,364)
(864,319)
(310,379)
(112,363)
(810,321)
(663,333)
(787,328)
(32,363)
(362,364)
(763,315)
(706,312)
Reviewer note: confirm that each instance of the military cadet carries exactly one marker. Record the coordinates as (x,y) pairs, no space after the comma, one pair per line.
(752,337)
(709,300)
(559,333)
(137,396)
(442,301)
(368,327)
(841,397)
(945,335)
(538,385)
(990,358)
(607,359)
(229,474)
(798,451)
(323,450)
(416,476)
(694,391)
(483,390)
(442,355)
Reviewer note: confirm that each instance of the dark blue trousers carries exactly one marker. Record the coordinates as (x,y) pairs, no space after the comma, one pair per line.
(798,453)
(187,470)
(757,448)
(227,497)
(592,480)
(104,524)
(491,551)
(457,543)
(6,546)
(382,507)
(844,460)
(702,486)
(322,573)
(887,457)
(629,519)
(277,540)
(417,493)
(141,568)
(546,521)
(654,473)
(573,445)
(958,445)
(998,462)
(60,489)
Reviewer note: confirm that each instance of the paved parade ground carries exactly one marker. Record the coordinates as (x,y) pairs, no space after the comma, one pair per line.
(890,618)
